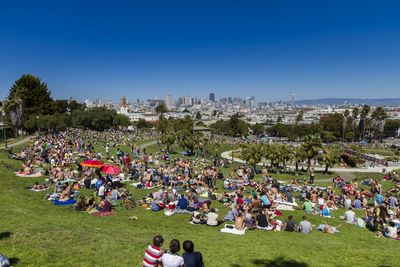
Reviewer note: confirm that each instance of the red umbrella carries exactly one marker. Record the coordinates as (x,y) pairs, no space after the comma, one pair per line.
(94,163)
(110,169)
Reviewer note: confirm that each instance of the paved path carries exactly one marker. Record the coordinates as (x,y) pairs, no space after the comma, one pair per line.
(226,155)
(148,144)
(26,139)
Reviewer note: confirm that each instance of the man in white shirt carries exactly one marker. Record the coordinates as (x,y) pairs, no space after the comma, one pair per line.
(350,216)
(102,190)
(212,218)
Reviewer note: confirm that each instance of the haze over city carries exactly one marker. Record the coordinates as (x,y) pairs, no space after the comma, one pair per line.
(266,49)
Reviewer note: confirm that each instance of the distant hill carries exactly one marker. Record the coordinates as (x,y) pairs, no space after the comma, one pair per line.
(341,101)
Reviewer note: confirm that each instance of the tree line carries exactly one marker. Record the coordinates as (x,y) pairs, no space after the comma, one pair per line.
(310,151)
(357,125)
(30,107)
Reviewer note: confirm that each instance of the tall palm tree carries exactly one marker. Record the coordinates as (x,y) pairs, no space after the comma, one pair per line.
(378,117)
(312,146)
(346,115)
(298,156)
(363,121)
(354,114)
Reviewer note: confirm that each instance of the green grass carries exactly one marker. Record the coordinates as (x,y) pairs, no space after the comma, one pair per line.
(46,235)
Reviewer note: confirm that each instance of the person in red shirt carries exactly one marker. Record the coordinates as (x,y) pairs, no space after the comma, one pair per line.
(153,253)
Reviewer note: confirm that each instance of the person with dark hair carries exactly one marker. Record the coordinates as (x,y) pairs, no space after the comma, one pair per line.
(153,253)
(212,218)
(191,258)
(290,224)
(305,226)
(261,219)
(171,257)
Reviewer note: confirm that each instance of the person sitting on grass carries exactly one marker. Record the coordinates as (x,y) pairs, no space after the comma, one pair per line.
(350,216)
(305,226)
(191,258)
(308,206)
(239,222)
(261,220)
(290,224)
(171,258)
(104,205)
(153,253)
(212,218)
(390,231)
(80,205)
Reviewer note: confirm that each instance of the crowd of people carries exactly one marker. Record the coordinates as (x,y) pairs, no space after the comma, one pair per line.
(179,185)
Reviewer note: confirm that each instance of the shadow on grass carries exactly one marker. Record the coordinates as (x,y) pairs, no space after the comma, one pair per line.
(13,261)
(277,262)
(5,235)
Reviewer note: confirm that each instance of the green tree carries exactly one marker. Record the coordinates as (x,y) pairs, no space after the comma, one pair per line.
(378,117)
(251,153)
(28,96)
(346,115)
(354,114)
(161,109)
(363,120)
(312,146)
(330,157)
(198,116)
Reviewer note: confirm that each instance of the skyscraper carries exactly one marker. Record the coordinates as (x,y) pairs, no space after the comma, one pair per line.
(212,97)
(293,103)
(168,101)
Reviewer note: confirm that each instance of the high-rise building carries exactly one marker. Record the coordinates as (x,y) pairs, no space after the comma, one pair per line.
(212,97)
(168,101)
(293,102)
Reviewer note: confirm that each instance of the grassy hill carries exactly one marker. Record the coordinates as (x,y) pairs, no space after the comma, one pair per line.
(34,232)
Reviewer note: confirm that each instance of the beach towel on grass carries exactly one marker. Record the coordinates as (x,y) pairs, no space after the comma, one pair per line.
(63,203)
(22,174)
(232,230)
(39,190)
(103,213)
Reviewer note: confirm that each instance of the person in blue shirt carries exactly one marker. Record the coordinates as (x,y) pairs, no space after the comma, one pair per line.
(182,202)
(357,204)
(191,258)
(265,200)
(379,198)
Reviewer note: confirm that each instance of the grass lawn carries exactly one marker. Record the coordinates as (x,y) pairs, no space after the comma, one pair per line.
(34,232)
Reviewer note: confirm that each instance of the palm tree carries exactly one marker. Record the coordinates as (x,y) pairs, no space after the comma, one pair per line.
(379,116)
(346,115)
(363,121)
(312,146)
(354,114)
(298,156)
(161,109)
(252,153)
(330,157)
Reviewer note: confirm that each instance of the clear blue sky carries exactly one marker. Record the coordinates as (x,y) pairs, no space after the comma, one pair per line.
(145,49)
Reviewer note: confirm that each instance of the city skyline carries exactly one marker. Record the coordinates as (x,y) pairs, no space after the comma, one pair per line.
(265,49)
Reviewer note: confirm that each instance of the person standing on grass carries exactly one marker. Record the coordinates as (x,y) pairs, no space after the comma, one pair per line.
(191,258)
(153,253)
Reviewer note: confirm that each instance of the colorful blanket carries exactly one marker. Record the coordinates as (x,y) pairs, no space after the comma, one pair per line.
(64,203)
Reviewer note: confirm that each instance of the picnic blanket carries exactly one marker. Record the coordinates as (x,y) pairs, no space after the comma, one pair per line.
(39,190)
(282,205)
(232,230)
(64,203)
(23,174)
(103,213)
